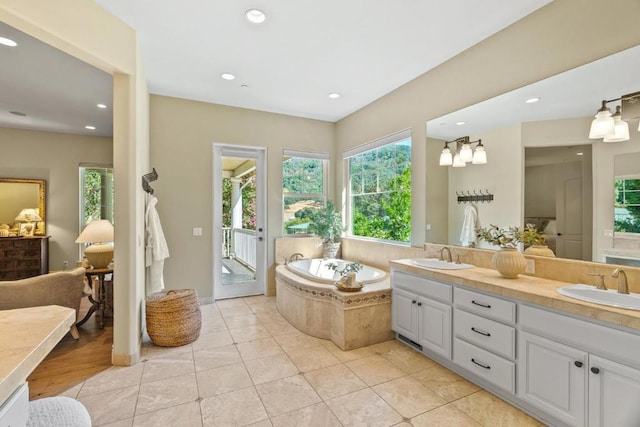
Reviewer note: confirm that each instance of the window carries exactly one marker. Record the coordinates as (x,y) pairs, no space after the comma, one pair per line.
(380,188)
(96,194)
(304,177)
(627,205)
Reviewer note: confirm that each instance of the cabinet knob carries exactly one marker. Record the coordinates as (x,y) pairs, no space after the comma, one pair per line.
(595,370)
(414,301)
(578,363)
(419,304)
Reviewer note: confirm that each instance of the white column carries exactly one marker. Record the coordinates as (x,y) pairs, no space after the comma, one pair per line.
(236,203)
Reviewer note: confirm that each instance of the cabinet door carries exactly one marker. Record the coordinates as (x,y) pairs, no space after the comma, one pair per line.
(435,326)
(614,394)
(552,377)
(404,315)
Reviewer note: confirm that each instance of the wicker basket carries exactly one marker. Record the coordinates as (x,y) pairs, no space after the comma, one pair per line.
(173,317)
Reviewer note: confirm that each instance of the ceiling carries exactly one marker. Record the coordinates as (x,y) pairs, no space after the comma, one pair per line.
(288,64)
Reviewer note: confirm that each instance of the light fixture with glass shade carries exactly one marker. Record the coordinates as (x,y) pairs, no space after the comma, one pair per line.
(620,128)
(463,154)
(615,128)
(99,232)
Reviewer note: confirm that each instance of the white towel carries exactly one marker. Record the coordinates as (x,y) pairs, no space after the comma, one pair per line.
(156,249)
(468,233)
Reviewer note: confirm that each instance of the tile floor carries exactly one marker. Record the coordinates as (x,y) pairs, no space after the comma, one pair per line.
(250,367)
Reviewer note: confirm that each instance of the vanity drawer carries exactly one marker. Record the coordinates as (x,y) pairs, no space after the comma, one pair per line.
(484,364)
(485,305)
(491,335)
(421,286)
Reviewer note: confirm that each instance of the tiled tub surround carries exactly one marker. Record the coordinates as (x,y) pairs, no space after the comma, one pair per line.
(566,361)
(349,319)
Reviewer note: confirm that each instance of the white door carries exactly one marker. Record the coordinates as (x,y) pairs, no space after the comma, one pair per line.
(404,317)
(552,377)
(569,216)
(614,394)
(239,238)
(435,326)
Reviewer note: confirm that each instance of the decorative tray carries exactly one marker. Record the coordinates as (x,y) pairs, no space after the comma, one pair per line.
(348,289)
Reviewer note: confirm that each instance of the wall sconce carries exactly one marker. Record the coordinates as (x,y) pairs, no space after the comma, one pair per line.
(613,128)
(463,154)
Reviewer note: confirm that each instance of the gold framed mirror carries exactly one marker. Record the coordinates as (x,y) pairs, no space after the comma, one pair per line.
(17,195)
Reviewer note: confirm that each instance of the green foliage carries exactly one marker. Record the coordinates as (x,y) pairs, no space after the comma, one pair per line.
(531,236)
(98,182)
(326,222)
(351,267)
(503,237)
(248,204)
(627,205)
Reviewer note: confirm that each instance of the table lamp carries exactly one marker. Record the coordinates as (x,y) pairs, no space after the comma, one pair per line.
(98,232)
(28,215)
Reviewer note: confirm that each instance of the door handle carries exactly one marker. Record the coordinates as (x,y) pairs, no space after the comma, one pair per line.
(260,239)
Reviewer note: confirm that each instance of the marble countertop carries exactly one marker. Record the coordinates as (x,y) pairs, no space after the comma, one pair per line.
(535,290)
(27,335)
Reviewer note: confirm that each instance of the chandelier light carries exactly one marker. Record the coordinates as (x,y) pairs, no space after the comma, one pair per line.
(463,154)
(613,128)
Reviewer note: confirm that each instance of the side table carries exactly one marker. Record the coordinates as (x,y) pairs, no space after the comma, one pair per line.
(101,302)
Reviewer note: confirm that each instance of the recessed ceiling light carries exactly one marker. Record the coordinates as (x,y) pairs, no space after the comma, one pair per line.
(255,15)
(18,113)
(334,95)
(8,42)
(101,106)
(580,154)
(532,100)
(460,123)
(227,76)
(90,127)
(244,85)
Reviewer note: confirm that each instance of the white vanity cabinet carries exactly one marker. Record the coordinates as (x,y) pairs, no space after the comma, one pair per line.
(566,368)
(421,312)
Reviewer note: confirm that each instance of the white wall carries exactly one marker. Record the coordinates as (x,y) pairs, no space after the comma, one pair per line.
(55,157)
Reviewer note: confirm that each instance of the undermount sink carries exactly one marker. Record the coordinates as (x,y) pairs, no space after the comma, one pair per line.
(609,297)
(442,265)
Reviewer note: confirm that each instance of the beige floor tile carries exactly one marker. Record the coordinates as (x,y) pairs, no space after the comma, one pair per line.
(347,356)
(223,380)
(264,308)
(212,339)
(230,303)
(318,415)
(364,408)
(270,317)
(215,357)
(334,381)
(402,424)
(168,366)
(258,299)
(121,423)
(374,370)
(181,415)
(387,346)
(489,410)
(235,311)
(112,405)
(113,378)
(447,384)
(237,408)
(279,328)
(214,325)
(259,348)
(410,361)
(250,333)
(166,393)
(286,395)
(244,321)
(444,416)
(297,341)
(408,397)
(151,351)
(263,423)
(73,391)
(270,368)
(309,359)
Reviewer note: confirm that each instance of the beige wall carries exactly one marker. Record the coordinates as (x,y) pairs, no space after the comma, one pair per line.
(85,30)
(55,157)
(560,36)
(182,137)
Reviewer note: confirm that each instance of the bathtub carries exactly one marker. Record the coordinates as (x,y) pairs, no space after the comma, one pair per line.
(317,270)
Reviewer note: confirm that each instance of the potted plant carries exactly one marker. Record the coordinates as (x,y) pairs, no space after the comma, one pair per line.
(508,261)
(534,242)
(347,274)
(327,223)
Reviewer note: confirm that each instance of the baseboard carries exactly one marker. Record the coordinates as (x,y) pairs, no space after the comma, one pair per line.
(125,359)
(206,300)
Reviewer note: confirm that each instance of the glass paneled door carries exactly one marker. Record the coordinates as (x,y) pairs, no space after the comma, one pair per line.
(239,238)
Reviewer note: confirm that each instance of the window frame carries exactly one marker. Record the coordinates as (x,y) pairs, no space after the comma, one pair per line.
(629,234)
(310,155)
(82,168)
(393,138)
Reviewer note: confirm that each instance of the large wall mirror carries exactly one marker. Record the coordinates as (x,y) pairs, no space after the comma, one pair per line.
(542,166)
(20,201)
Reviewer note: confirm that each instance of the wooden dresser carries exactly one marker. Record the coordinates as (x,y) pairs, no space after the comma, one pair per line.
(22,257)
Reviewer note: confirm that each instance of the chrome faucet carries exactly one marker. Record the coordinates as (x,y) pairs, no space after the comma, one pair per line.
(448,254)
(623,288)
(600,285)
(295,257)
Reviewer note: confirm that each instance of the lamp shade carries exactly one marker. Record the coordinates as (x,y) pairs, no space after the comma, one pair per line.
(466,154)
(602,125)
(445,157)
(457,162)
(97,231)
(479,156)
(620,129)
(27,215)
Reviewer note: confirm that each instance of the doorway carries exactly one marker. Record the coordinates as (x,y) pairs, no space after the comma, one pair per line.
(239,218)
